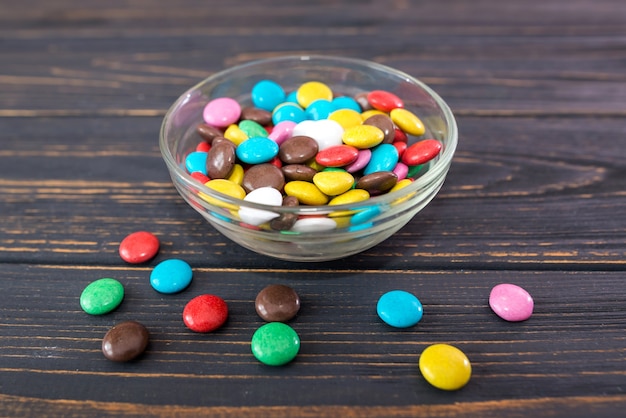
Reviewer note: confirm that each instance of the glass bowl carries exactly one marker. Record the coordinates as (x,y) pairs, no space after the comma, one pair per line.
(358,226)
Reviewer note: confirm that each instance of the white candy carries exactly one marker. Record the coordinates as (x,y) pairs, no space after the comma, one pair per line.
(325,132)
(265,196)
(314,225)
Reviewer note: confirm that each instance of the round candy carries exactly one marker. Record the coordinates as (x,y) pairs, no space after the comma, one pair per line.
(267,94)
(277,303)
(445,367)
(139,247)
(205,313)
(101,296)
(263,195)
(222,112)
(125,341)
(399,309)
(511,303)
(171,276)
(275,344)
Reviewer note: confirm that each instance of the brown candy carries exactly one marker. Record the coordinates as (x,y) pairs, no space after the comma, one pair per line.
(277,303)
(300,172)
(208,132)
(378,182)
(263,175)
(298,149)
(125,341)
(286,220)
(361,99)
(260,116)
(385,124)
(221,158)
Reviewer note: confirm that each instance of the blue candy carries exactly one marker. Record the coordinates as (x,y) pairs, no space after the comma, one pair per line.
(345,102)
(171,276)
(384,158)
(196,161)
(288,111)
(399,309)
(267,94)
(320,109)
(257,150)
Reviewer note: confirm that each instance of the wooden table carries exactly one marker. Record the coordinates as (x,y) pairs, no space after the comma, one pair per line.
(536,196)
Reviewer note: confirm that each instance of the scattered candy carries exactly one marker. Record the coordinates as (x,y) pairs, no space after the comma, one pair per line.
(275,344)
(399,309)
(205,313)
(139,247)
(171,276)
(511,302)
(101,296)
(445,367)
(125,341)
(277,303)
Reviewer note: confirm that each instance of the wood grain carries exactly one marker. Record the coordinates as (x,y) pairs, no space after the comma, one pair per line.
(536,196)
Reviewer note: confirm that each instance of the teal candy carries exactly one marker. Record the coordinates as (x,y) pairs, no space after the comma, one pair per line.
(267,94)
(365,215)
(101,296)
(289,111)
(252,128)
(196,162)
(257,150)
(346,102)
(384,158)
(399,309)
(171,276)
(319,109)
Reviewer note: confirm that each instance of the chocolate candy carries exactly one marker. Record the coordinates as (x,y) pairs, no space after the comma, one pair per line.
(445,367)
(277,303)
(263,175)
(125,341)
(139,247)
(298,149)
(275,344)
(102,296)
(221,159)
(205,313)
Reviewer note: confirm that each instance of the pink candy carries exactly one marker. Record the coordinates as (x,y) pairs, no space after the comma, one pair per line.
(222,112)
(511,303)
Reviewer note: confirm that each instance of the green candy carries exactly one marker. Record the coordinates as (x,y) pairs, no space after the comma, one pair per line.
(252,128)
(101,296)
(275,344)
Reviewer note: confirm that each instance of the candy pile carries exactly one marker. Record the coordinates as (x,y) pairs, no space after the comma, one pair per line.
(308,147)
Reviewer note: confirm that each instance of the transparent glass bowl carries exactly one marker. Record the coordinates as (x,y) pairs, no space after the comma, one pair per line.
(378,218)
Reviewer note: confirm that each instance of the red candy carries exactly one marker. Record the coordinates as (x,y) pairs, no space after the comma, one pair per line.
(400,146)
(139,247)
(205,313)
(421,152)
(337,156)
(384,100)
(203,146)
(200,177)
(400,136)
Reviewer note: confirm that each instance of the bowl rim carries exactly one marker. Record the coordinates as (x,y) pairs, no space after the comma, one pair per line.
(414,187)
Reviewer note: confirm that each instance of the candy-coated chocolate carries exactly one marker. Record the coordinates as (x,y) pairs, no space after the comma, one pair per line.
(421,152)
(306,193)
(401,184)
(277,303)
(300,172)
(333,183)
(361,161)
(371,112)
(221,159)
(235,134)
(257,150)
(205,313)
(196,161)
(101,296)
(221,112)
(511,302)
(325,132)
(139,247)
(314,224)
(361,99)
(384,158)
(203,146)
(267,94)
(208,132)
(400,136)
(378,182)
(365,215)
(298,149)
(226,187)
(236,174)
(363,136)
(351,196)
(252,128)
(385,124)
(258,115)
(337,156)
(347,118)
(407,121)
(288,111)
(125,341)
(401,170)
(171,276)
(346,102)
(275,344)
(320,109)
(282,131)
(286,220)
(311,91)
(199,177)
(263,175)
(445,367)
(399,308)
(265,196)
(400,146)
(384,100)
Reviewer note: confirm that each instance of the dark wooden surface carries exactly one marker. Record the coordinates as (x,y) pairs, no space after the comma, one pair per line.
(536,196)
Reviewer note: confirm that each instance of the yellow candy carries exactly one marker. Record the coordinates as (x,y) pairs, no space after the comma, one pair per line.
(445,367)
(311,91)
(371,112)
(235,134)
(363,136)
(315,165)
(333,183)
(401,185)
(407,121)
(351,196)
(306,193)
(236,176)
(226,187)
(347,118)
